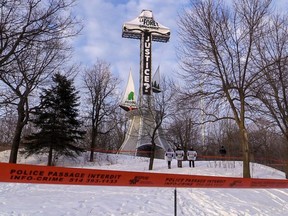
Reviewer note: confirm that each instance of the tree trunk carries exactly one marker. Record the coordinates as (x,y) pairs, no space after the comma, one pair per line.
(152,156)
(93,140)
(246,153)
(17,133)
(286,159)
(50,156)
(16,143)
(286,168)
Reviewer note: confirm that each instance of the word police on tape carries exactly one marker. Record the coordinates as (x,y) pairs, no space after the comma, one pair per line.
(20,173)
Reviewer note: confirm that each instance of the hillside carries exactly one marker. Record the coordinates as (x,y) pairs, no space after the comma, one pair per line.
(34,199)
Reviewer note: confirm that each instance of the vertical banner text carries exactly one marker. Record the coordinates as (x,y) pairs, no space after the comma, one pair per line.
(147,59)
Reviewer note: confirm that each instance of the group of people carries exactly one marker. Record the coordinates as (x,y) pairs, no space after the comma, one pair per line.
(191,155)
(179,156)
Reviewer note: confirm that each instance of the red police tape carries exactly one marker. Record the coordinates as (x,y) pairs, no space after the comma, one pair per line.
(20,173)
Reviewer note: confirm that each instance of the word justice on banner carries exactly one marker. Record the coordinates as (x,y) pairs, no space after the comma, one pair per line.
(20,173)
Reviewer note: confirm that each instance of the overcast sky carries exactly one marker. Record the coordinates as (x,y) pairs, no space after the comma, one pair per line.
(101,36)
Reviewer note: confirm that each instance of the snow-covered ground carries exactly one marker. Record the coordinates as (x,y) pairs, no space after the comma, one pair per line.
(36,199)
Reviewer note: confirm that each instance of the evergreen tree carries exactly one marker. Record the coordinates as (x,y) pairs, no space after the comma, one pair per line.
(56,119)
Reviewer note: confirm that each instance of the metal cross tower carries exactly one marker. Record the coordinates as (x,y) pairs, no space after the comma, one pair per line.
(146,29)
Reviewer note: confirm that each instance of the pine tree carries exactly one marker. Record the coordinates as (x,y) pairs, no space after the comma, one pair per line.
(56,121)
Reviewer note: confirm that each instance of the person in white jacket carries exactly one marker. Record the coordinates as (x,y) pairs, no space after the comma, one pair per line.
(191,157)
(179,156)
(169,157)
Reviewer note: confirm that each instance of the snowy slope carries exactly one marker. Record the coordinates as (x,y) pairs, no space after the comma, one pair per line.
(34,199)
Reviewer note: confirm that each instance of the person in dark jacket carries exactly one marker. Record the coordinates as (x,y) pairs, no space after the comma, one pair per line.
(222,151)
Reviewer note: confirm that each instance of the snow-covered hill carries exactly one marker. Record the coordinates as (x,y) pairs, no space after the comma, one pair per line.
(34,199)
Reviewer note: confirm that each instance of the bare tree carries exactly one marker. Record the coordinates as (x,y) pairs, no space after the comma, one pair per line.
(217,54)
(160,109)
(22,77)
(7,124)
(116,137)
(33,35)
(272,88)
(102,100)
(182,130)
(22,23)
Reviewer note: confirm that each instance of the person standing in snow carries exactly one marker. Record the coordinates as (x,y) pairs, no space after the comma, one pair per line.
(169,157)
(222,151)
(191,157)
(179,156)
